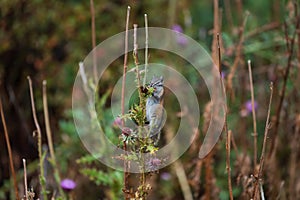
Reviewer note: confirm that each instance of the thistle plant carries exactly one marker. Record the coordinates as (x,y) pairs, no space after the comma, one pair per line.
(148,114)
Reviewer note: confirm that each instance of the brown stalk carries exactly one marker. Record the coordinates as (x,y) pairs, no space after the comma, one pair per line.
(267,27)
(209,174)
(11,163)
(238,57)
(262,156)
(239,8)
(49,138)
(179,168)
(293,158)
(183,181)
(253,116)
(146,48)
(126,174)
(25,179)
(228,133)
(290,48)
(228,13)
(216,31)
(136,61)
(92,8)
(228,168)
(47,122)
(39,136)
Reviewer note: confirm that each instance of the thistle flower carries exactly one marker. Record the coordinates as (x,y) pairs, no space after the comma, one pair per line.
(181,40)
(165,176)
(247,108)
(223,74)
(67,184)
(117,122)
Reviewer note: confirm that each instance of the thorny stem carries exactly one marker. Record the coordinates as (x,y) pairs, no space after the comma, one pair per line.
(11,163)
(49,138)
(39,135)
(126,174)
(25,179)
(262,156)
(253,116)
(135,56)
(146,49)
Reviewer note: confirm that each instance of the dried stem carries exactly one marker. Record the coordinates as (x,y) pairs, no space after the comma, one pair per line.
(253,116)
(216,30)
(49,138)
(293,158)
(262,156)
(239,10)
(126,174)
(228,13)
(238,57)
(47,122)
(25,179)
(228,133)
(179,168)
(11,163)
(136,61)
(219,54)
(263,29)
(39,135)
(146,49)
(228,168)
(186,190)
(125,64)
(290,47)
(92,8)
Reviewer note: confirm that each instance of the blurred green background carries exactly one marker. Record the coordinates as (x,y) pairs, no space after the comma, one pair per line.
(47,39)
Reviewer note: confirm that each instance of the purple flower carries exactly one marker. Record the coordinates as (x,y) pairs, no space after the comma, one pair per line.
(247,108)
(153,164)
(127,131)
(180,38)
(223,74)
(67,184)
(165,176)
(117,122)
(177,28)
(248,105)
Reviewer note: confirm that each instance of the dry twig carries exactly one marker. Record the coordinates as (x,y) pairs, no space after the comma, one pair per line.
(238,57)
(290,42)
(92,8)
(126,174)
(11,163)
(253,116)
(49,138)
(25,179)
(262,156)
(39,136)
(146,49)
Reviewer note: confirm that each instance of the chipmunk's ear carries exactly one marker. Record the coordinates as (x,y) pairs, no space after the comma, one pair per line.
(161,78)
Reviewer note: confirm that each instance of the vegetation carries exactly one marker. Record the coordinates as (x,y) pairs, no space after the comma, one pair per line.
(254,44)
